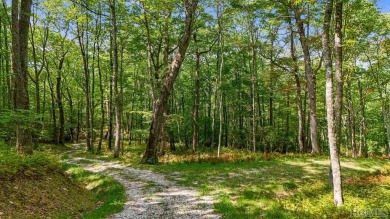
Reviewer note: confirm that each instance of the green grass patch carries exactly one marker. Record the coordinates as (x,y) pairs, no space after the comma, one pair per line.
(248,185)
(109,193)
(286,186)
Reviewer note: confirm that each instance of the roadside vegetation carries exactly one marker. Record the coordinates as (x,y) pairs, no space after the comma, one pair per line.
(40,186)
(274,185)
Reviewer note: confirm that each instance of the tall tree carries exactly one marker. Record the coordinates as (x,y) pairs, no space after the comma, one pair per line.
(253,40)
(195,114)
(339,68)
(161,103)
(117,97)
(19,29)
(295,71)
(330,107)
(310,77)
(220,65)
(84,40)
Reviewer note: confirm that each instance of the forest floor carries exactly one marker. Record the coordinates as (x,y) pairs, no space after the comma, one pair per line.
(39,186)
(149,194)
(240,184)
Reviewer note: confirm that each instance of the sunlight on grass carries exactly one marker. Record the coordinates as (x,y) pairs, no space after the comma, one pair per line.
(94,184)
(110,193)
(249,185)
(281,188)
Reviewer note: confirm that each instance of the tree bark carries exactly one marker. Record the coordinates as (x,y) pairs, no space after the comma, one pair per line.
(53,108)
(362,124)
(295,71)
(160,105)
(83,39)
(19,31)
(334,152)
(61,136)
(351,120)
(195,113)
(71,116)
(339,69)
(311,81)
(220,70)
(6,62)
(253,83)
(101,89)
(117,99)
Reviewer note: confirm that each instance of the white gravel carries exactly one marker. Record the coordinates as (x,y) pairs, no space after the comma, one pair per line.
(150,195)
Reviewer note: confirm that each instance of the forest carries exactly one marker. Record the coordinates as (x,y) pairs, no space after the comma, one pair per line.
(233,85)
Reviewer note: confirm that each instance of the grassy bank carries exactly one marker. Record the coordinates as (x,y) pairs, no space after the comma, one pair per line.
(41,186)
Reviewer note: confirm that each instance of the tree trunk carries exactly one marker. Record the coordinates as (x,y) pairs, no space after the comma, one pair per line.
(53,108)
(19,31)
(339,69)
(71,116)
(160,105)
(117,99)
(334,152)
(295,71)
(311,82)
(196,102)
(362,125)
(253,84)
(79,121)
(61,134)
(83,39)
(110,116)
(101,89)
(220,70)
(351,120)
(8,78)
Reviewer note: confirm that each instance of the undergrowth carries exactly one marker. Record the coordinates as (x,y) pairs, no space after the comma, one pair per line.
(272,185)
(40,186)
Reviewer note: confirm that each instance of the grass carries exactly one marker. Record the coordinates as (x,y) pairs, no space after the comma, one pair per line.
(109,193)
(39,186)
(286,188)
(248,185)
(272,185)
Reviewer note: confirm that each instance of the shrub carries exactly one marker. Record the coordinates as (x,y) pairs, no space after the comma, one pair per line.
(35,165)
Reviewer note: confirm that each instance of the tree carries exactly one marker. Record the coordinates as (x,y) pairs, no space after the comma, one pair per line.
(339,68)
(310,78)
(160,105)
(84,39)
(295,71)
(117,97)
(20,29)
(6,85)
(330,105)
(220,66)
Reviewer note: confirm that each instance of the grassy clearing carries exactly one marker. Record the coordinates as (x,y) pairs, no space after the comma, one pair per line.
(273,185)
(285,188)
(39,186)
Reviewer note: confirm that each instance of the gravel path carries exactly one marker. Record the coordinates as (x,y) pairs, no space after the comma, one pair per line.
(151,195)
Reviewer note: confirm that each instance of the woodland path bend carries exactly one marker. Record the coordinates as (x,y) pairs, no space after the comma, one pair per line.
(150,195)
